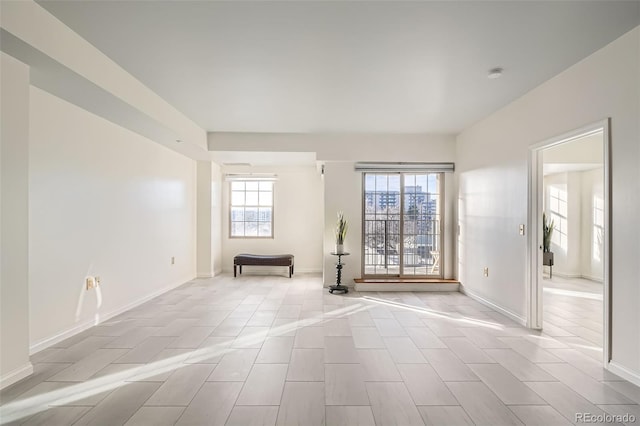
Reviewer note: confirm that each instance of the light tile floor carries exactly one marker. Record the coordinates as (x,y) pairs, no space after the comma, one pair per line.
(268,350)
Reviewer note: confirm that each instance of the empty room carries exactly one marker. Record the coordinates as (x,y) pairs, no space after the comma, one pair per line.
(319,212)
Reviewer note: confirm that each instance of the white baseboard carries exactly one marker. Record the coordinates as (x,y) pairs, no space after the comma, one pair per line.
(570,276)
(593,278)
(565,275)
(308,270)
(204,276)
(18,374)
(475,296)
(406,287)
(49,341)
(624,372)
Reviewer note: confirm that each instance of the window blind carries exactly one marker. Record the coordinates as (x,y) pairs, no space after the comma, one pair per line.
(403,167)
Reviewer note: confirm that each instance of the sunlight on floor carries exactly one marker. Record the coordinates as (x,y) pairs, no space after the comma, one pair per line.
(438,314)
(570,293)
(20,409)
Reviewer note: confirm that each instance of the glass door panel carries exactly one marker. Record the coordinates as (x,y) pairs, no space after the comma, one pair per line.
(402,224)
(382,224)
(421,218)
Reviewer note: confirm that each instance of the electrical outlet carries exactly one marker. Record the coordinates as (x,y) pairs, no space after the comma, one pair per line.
(486,272)
(173,260)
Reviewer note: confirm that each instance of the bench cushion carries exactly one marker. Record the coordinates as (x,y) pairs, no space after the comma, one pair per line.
(264,259)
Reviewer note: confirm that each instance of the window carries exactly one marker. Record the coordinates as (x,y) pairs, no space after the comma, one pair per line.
(598,228)
(251,209)
(558,207)
(402,224)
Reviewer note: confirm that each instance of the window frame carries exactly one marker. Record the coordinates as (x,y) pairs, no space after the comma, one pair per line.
(597,243)
(440,188)
(561,232)
(231,206)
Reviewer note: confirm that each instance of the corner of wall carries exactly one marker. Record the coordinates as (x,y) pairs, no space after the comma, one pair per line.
(16,375)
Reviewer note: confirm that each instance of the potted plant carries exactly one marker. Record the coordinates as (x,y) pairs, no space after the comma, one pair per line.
(341,232)
(547,231)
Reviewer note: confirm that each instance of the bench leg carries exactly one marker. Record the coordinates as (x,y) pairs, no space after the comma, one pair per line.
(234,271)
(290,271)
(240,269)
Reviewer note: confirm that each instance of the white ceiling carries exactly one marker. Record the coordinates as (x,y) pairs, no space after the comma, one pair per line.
(374,67)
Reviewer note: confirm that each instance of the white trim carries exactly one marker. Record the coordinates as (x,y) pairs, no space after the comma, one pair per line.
(534,266)
(307,270)
(204,276)
(16,375)
(593,278)
(608,230)
(624,372)
(407,287)
(579,133)
(581,276)
(568,276)
(235,177)
(49,341)
(475,296)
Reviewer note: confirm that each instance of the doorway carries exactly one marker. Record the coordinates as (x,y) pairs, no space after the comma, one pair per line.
(570,283)
(402,226)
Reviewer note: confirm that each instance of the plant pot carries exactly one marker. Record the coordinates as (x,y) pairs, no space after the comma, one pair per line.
(547,258)
(339,248)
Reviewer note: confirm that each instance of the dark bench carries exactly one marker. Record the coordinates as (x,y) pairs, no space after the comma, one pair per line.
(263,260)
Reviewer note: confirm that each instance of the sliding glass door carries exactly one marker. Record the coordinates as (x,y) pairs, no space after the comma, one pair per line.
(402,235)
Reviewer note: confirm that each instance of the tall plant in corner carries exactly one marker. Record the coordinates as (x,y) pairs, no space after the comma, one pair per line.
(547,231)
(341,232)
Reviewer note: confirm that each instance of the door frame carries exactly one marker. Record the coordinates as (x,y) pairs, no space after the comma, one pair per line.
(534,221)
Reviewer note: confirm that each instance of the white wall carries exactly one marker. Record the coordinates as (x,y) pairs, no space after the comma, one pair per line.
(583,150)
(298,216)
(209,219)
(592,249)
(14,225)
(103,201)
(343,186)
(578,258)
(567,256)
(343,192)
(492,158)
(204,211)
(216,217)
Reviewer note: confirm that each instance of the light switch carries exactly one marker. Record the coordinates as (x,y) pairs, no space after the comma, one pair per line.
(522,229)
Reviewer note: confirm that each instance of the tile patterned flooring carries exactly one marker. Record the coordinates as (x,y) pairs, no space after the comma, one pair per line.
(267,350)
